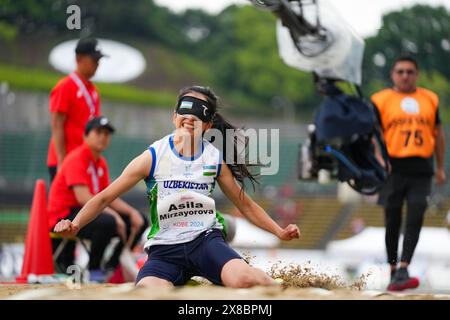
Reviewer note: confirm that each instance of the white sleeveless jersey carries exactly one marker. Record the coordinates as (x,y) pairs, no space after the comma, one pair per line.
(179,191)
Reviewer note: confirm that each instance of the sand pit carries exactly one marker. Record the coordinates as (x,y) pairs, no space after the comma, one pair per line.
(295,282)
(201,292)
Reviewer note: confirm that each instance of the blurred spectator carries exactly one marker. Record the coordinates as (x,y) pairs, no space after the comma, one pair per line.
(83,174)
(286,191)
(287,209)
(73,101)
(270,192)
(412,129)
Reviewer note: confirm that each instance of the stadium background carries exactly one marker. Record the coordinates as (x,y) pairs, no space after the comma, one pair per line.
(232,47)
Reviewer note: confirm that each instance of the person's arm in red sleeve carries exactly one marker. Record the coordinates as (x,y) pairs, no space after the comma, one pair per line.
(98,107)
(77,179)
(78,173)
(57,126)
(59,107)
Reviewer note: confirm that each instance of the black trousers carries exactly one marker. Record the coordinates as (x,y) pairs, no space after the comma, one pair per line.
(415,190)
(100,232)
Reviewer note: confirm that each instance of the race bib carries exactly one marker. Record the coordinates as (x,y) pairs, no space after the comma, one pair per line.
(187,210)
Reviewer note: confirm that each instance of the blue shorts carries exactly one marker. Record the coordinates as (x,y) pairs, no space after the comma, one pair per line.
(204,256)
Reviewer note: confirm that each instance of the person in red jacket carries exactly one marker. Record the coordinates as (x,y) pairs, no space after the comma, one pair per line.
(83,174)
(73,101)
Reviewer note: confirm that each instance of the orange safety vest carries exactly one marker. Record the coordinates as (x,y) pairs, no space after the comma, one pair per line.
(408,121)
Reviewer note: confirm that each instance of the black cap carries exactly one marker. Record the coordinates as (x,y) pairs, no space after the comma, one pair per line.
(88,46)
(99,122)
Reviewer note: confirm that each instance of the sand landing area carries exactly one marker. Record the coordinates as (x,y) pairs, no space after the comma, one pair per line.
(201,292)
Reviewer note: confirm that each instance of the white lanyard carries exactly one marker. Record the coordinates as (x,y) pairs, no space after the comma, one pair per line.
(94,177)
(84,91)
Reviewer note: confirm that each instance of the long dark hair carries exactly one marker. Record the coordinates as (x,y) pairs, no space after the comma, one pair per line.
(240,171)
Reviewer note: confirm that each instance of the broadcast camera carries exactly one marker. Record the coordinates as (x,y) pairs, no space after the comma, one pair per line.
(344,143)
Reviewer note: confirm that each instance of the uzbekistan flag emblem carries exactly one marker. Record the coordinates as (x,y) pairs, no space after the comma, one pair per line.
(209,170)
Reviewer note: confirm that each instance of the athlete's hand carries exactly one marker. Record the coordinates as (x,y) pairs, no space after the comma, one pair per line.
(66,228)
(289,233)
(440,176)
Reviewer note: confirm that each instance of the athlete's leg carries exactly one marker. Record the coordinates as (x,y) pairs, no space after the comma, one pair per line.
(215,260)
(165,267)
(237,273)
(151,281)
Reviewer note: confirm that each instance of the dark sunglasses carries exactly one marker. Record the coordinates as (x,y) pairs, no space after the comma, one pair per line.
(407,71)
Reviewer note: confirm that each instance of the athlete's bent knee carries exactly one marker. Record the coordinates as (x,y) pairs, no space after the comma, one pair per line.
(153,282)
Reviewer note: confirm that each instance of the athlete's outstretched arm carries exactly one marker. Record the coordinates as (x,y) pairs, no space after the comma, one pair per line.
(136,170)
(250,209)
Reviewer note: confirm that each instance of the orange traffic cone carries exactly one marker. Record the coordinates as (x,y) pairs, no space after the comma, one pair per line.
(38,258)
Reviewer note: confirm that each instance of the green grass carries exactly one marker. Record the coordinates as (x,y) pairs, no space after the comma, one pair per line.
(36,79)
(42,80)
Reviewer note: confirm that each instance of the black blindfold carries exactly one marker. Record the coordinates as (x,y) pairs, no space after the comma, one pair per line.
(197,107)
